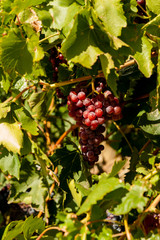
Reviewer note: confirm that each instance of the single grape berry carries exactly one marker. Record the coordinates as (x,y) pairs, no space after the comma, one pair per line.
(99,112)
(91,116)
(109,109)
(81,95)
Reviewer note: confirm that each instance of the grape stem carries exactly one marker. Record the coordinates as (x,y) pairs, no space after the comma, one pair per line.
(53,35)
(119,129)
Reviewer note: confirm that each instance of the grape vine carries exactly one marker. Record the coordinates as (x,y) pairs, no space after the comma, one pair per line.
(79,119)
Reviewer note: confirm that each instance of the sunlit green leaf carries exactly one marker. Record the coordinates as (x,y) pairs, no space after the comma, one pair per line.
(11,136)
(112,15)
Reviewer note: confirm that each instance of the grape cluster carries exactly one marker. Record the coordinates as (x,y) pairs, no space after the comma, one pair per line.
(93,112)
(117,218)
(90,143)
(56,59)
(90,113)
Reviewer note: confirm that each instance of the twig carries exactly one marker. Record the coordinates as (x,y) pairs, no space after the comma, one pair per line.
(128,234)
(118,234)
(144,147)
(153,204)
(123,136)
(61,138)
(51,228)
(20,94)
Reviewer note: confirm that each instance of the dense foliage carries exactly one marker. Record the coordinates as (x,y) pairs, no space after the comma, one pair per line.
(96,62)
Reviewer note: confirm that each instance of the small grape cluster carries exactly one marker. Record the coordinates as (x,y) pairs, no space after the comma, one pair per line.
(56,59)
(116,218)
(90,113)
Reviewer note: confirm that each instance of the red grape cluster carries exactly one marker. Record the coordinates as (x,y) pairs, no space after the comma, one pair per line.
(56,58)
(90,143)
(93,112)
(90,113)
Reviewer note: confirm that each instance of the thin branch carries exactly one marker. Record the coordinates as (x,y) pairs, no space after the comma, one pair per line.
(128,234)
(20,94)
(153,204)
(62,137)
(50,228)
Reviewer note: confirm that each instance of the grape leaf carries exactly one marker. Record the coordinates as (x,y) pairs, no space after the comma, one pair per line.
(70,161)
(19,5)
(28,123)
(154,6)
(11,136)
(152,26)
(15,55)
(150,124)
(4,109)
(134,199)
(31,225)
(117,167)
(9,163)
(107,63)
(104,186)
(13,230)
(30,178)
(82,45)
(111,14)
(63,13)
(143,57)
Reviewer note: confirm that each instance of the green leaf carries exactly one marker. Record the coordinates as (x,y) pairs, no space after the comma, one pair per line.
(154,6)
(111,14)
(30,178)
(104,186)
(143,57)
(82,45)
(77,196)
(5,80)
(15,54)
(12,230)
(134,199)
(152,26)
(19,5)
(28,123)
(11,136)
(32,225)
(70,162)
(117,167)
(150,124)
(4,109)
(9,163)
(63,13)
(107,63)
(37,102)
